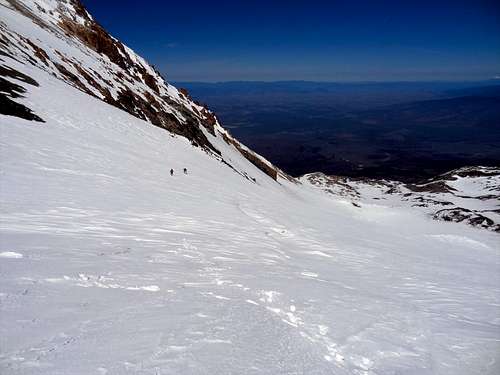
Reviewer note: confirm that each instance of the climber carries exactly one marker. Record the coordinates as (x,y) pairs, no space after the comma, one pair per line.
(185,171)
(171,172)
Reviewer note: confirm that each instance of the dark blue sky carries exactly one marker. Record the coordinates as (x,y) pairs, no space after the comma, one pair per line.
(370,40)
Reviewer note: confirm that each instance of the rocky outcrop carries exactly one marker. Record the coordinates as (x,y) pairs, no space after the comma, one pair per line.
(464,215)
(256,160)
(430,187)
(469,195)
(10,90)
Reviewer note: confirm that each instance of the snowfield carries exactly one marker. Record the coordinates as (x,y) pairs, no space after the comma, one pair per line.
(109,265)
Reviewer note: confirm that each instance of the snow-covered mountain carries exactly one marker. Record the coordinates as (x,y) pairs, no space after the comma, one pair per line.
(109,265)
(470,194)
(63,39)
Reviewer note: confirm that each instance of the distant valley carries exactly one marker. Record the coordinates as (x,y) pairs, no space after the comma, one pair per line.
(406,131)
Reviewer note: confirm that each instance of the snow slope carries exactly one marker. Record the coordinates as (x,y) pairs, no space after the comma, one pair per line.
(108,265)
(62,39)
(469,195)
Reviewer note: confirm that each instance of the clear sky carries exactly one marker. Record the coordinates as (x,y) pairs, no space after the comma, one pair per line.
(371,40)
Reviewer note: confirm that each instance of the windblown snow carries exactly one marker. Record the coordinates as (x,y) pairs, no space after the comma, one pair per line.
(109,265)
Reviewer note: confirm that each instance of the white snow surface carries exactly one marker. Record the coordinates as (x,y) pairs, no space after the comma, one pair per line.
(10,254)
(115,267)
(478,194)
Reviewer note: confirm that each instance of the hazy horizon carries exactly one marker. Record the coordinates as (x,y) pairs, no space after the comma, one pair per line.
(493,80)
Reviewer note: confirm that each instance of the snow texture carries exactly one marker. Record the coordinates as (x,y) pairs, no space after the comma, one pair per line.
(109,265)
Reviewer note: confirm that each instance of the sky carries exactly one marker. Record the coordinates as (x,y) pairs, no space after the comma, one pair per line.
(371,40)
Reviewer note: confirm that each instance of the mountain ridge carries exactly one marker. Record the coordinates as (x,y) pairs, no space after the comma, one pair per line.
(121,78)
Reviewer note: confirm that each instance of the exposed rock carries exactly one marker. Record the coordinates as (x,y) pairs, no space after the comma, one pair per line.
(253,158)
(337,185)
(473,171)
(185,93)
(39,52)
(73,78)
(7,88)
(459,215)
(149,80)
(96,38)
(11,108)
(6,71)
(431,187)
